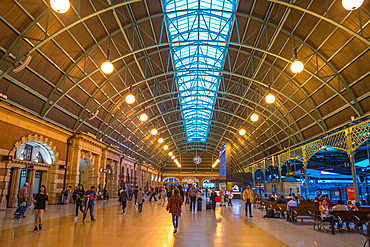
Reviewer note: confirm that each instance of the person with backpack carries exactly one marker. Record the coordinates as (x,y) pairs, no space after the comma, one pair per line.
(174,207)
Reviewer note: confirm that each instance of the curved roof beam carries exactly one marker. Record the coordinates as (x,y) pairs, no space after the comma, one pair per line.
(346,29)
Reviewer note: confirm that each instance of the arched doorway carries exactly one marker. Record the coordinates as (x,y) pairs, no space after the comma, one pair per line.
(85,171)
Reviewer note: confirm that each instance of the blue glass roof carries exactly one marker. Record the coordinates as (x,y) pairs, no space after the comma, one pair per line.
(194,27)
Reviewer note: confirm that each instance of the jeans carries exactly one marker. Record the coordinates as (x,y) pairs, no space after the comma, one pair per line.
(124,203)
(192,202)
(140,207)
(79,206)
(175,221)
(152,195)
(213,204)
(248,204)
(229,203)
(91,207)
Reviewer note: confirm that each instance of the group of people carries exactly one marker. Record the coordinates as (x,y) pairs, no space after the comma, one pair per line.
(40,203)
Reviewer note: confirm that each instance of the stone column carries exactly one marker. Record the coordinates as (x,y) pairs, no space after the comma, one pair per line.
(31,182)
(13,196)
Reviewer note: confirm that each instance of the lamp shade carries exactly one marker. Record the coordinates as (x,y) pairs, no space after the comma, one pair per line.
(270,98)
(165,147)
(254,117)
(107,67)
(352,4)
(143,117)
(154,131)
(160,140)
(60,6)
(297,66)
(242,132)
(130,98)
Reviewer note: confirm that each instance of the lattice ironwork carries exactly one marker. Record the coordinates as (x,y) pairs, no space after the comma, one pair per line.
(360,134)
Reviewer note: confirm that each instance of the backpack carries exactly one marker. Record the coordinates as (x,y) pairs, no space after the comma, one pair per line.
(65,192)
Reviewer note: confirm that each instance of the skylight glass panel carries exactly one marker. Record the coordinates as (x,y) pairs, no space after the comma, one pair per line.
(198,31)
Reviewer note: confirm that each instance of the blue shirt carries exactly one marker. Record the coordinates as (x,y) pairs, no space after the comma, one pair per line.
(91,196)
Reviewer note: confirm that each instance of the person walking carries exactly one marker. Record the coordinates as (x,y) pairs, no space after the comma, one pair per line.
(248,200)
(174,207)
(140,200)
(80,192)
(23,194)
(41,204)
(152,194)
(222,196)
(90,196)
(229,197)
(212,197)
(123,199)
(136,190)
(193,196)
(130,193)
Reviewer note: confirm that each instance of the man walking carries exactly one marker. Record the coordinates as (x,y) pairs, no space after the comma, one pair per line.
(248,200)
(23,194)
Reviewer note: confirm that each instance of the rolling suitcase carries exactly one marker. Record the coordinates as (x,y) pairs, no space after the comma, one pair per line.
(209,205)
(199,205)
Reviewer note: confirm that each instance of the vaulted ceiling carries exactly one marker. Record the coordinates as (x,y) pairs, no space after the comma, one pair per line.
(63,83)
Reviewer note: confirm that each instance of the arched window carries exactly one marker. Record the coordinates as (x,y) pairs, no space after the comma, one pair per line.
(170,180)
(35,151)
(194,180)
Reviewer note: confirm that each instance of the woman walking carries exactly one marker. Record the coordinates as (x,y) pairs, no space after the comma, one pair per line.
(212,197)
(80,192)
(174,207)
(41,204)
(140,200)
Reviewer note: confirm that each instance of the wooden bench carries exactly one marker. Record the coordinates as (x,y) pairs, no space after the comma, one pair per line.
(301,212)
(367,209)
(357,217)
(281,207)
(263,204)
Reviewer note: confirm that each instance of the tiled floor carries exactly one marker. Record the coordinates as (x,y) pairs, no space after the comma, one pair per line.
(227,226)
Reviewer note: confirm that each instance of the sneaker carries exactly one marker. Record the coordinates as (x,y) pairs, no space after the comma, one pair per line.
(175,231)
(35,229)
(40,227)
(250,216)
(75,218)
(93,220)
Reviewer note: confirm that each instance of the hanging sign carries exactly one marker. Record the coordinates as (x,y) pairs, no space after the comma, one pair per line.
(350,193)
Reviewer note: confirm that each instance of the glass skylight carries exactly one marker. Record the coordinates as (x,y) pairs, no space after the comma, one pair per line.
(197,30)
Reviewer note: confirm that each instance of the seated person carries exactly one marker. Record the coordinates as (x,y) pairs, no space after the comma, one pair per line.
(291,203)
(339,207)
(325,214)
(271,198)
(281,199)
(351,207)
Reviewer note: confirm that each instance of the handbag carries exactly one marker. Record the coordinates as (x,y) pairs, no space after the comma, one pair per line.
(32,206)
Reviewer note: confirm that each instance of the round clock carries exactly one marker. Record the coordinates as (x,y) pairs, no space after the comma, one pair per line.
(197,160)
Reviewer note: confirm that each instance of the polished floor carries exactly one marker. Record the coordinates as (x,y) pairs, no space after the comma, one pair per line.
(227,226)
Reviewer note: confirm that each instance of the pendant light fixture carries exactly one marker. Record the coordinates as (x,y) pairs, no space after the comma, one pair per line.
(160,140)
(297,66)
(254,117)
(107,67)
(242,132)
(270,98)
(154,131)
(60,6)
(170,153)
(143,117)
(352,4)
(165,147)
